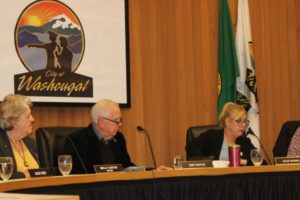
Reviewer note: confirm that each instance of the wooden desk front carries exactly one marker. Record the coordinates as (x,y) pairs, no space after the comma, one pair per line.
(205,183)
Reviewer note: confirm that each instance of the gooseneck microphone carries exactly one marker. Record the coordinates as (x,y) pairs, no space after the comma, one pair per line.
(262,146)
(142,130)
(78,155)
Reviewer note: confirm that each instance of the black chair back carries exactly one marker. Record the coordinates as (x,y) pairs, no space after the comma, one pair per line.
(283,141)
(50,143)
(194,132)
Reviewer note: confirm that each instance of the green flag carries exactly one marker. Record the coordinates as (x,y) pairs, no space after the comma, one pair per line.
(227,63)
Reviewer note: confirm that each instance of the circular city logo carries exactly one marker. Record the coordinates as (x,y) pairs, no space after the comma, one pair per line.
(49,36)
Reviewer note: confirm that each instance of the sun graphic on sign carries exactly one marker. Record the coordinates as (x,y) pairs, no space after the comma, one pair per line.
(36,19)
(39,14)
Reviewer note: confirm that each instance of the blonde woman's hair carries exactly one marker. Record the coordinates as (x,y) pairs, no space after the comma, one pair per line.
(232,110)
(102,108)
(11,108)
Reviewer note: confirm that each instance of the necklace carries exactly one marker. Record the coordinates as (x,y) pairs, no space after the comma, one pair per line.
(22,155)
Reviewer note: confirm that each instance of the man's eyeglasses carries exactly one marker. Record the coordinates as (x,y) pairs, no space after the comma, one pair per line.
(242,122)
(118,122)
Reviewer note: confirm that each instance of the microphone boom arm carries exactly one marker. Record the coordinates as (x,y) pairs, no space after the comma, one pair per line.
(139,128)
(262,147)
(78,155)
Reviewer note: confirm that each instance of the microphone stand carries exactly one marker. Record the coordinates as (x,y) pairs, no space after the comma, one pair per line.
(262,147)
(78,155)
(141,129)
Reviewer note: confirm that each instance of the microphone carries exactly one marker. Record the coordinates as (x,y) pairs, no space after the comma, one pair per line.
(78,155)
(262,146)
(141,129)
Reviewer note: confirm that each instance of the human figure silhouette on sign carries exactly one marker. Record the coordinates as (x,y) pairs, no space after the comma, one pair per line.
(49,47)
(63,54)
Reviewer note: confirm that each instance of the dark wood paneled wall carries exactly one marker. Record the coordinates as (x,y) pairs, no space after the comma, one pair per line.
(173,48)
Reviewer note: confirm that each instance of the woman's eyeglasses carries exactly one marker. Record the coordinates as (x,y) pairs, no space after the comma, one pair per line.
(242,122)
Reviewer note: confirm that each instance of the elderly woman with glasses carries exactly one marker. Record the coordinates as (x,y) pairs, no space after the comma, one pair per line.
(16,123)
(214,143)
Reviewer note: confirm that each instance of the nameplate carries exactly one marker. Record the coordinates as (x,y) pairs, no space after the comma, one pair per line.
(108,168)
(40,172)
(287,160)
(196,164)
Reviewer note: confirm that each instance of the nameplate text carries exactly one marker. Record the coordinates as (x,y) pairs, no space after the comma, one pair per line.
(40,172)
(287,160)
(196,164)
(108,168)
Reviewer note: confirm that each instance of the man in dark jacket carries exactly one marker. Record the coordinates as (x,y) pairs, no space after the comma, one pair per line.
(100,142)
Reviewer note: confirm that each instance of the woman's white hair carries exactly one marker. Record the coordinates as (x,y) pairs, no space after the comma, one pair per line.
(102,109)
(11,108)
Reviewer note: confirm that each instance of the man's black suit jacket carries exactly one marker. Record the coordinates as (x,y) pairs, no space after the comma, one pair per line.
(209,144)
(85,142)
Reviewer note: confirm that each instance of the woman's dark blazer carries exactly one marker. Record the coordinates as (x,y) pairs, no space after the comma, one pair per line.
(7,151)
(210,143)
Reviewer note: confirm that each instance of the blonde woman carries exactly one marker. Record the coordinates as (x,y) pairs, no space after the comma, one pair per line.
(16,122)
(233,121)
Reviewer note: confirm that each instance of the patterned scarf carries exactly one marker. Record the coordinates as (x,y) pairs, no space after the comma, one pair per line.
(294,148)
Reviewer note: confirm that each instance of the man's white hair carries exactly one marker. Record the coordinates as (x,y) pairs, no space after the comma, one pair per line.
(102,109)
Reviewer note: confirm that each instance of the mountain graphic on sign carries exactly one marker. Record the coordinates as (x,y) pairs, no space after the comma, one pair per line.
(62,24)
